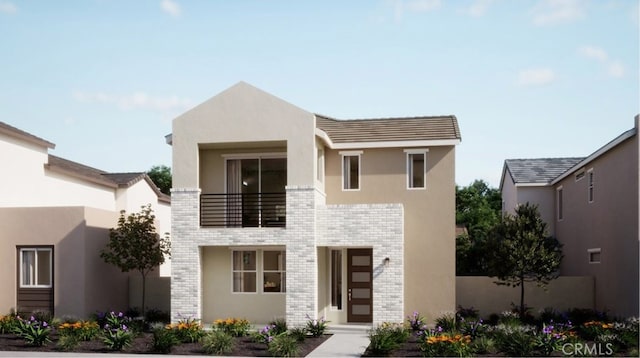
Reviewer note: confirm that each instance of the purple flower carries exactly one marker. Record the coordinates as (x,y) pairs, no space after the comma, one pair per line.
(547,330)
(439,329)
(120,314)
(124,327)
(32,319)
(44,324)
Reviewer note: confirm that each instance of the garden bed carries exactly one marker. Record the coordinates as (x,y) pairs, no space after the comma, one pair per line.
(142,344)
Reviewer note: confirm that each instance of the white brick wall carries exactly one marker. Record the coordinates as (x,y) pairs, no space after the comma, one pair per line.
(309,224)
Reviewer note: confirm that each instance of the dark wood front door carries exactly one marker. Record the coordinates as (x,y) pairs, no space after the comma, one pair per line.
(359,285)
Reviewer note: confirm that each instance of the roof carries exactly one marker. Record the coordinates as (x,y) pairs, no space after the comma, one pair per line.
(539,170)
(20,134)
(437,130)
(112,180)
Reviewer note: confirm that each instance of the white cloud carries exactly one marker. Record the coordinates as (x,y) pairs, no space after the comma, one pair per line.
(594,52)
(171,7)
(536,77)
(7,7)
(137,100)
(552,12)
(479,7)
(614,68)
(400,6)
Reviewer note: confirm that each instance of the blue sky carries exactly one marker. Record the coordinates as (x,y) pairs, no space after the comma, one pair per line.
(526,79)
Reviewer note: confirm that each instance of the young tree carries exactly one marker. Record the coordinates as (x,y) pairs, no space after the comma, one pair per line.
(135,246)
(161,176)
(520,251)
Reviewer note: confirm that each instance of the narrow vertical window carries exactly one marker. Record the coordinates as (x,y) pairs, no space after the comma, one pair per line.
(336,279)
(320,169)
(244,271)
(590,188)
(274,271)
(35,267)
(351,170)
(416,168)
(560,204)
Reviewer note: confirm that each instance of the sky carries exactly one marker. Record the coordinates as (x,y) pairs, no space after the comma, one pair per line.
(103,79)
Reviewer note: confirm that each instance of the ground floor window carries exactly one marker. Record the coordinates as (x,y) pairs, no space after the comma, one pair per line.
(259,268)
(36,267)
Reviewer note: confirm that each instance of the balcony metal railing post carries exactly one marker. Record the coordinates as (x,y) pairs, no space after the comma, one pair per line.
(243,210)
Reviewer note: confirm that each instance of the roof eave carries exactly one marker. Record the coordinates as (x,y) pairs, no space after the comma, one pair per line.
(57,169)
(396,144)
(607,147)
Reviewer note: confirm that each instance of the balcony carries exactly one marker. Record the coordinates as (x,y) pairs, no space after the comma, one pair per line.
(243,210)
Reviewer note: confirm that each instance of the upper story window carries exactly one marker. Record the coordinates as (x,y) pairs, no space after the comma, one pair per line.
(351,170)
(580,175)
(36,267)
(559,203)
(416,168)
(320,164)
(590,185)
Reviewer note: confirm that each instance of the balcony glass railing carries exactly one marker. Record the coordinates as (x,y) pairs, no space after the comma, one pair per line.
(243,210)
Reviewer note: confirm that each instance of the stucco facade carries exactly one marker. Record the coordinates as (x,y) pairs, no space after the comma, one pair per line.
(403,239)
(65,210)
(592,208)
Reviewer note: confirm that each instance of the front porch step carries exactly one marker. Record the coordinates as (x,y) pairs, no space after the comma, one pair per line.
(356,328)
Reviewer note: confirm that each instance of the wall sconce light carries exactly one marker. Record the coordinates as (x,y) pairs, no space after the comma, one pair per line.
(385,262)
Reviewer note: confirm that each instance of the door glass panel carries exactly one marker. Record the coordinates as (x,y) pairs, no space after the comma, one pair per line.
(44,267)
(28,267)
(361,293)
(336,278)
(360,276)
(360,309)
(361,260)
(273,175)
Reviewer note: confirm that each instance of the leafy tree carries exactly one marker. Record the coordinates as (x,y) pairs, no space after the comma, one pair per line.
(161,177)
(478,209)
(521,251)
(135,246)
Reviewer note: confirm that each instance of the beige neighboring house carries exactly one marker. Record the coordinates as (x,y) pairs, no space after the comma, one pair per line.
(278,212)
(591,205)
(55,216)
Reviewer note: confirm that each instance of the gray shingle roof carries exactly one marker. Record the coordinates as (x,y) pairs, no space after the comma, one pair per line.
(19,133)
(540,170)
(389,129)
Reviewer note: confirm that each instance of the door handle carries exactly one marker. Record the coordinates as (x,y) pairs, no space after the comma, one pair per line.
(349,295)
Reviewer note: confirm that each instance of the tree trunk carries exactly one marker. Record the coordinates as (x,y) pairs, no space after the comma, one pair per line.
(521,298)
(144,279)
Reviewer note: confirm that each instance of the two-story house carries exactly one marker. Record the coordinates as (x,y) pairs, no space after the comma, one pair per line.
(591,205)
(55,216)
(278,212)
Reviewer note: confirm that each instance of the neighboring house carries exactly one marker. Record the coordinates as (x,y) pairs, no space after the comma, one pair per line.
(591,206)
(55,217)
(282,213)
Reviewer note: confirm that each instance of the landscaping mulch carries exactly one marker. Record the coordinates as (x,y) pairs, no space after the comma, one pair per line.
(244,346)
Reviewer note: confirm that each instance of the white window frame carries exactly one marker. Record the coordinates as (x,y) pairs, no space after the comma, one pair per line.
(281,269)
(590,252)
(590,186)
(233,271)
(580,175)
(560,203)
(343,155)
(34,274)
(409,166)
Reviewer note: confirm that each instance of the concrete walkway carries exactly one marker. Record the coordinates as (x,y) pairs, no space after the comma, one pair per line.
(346,341)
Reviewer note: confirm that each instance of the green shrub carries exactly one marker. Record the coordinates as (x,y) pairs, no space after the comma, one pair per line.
(484,345)
(116,334)
(187,330)
(34,332)
(416,321)
(445,345)
(279,326)
(447,322)
(68,342)
(316,327)
(299,333)
(237,327)
(218,342)
(515,340)
(163,340)
(8,323)
(283,345)
(82,330)
(387,337)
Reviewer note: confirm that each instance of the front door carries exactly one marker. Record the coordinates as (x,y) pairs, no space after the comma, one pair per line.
(359,285)
(35,279)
